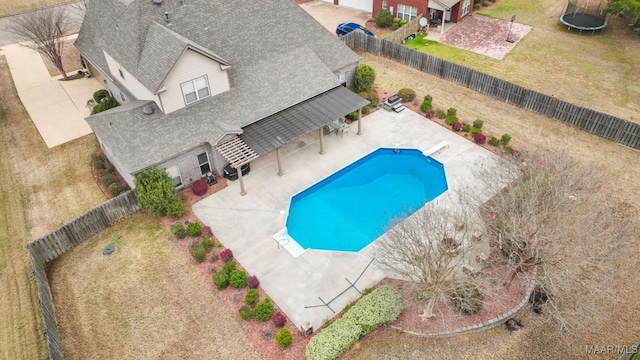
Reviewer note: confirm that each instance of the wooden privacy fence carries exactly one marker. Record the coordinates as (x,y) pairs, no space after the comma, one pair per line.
(607,126)
(65,238)
(405,30)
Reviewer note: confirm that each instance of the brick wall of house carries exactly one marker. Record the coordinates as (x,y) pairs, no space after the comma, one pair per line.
(422,6)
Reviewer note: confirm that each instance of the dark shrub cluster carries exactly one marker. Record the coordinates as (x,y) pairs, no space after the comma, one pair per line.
(279,319)
(441,114)
(197,251)
(226,255)
(221,280)
(206,231)
(253,282)
(104,104)
(178,230)
(246,312)
(480,138)
(199,187)
(107,175)
(456,126)
(99,95)
(430,114)
(384,18)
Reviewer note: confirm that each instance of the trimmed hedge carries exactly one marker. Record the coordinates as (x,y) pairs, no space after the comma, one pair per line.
(238,279)
(194,229)
(284,338)
(382,306)
(264,310)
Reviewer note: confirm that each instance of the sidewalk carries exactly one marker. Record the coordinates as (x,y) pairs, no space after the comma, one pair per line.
(57,108)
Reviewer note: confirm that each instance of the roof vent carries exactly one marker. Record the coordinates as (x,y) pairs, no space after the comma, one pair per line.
(147,110)
(157,2)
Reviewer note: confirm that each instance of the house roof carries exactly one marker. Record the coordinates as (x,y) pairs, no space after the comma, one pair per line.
(278,129)
(279,57)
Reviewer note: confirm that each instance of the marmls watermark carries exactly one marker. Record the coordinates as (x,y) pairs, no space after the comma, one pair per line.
(611,349)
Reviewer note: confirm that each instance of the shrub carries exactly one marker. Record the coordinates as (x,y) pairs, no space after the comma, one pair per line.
(226,255)
(477,124)
(264,310)
(221,279)
(466,127)
(395,26)
(476,6)
(115,189)
(197,251)
(246,312)
(178,230)
(383,18)
(475,131)
(374,103)
(108,179)
(352,116)
(396,20)
(407,94)
(206,231)
(365,110)
(364,77)
(403,22)
(480,138)
(99,95)
(228,268)
(451,116)
(252,297)
(456,126)
(493,141)
(441,114)
(505,139)
(383,305)
(157,193)
(371,94)
(430,114)
(206,244)
(467,298)
(253,282)
(486,3)
(238,279)
(508,150)
(284,338)
(194,229)
(279,319)
(427,103)
(199,187)
(106,104)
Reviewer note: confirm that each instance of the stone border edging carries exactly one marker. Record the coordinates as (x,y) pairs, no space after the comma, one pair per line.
(484,325)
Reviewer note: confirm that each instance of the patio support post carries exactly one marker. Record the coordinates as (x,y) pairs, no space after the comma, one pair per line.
(243,192)
(321,130)
(359,121)
(280,172)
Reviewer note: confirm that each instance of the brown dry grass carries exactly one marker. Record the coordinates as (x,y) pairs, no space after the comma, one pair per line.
(538,340)
(40,189)
(70,59)
(144,301)
(598,72)
(12,7)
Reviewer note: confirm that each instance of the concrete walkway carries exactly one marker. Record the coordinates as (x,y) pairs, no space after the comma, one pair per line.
(247,224)
(57,108)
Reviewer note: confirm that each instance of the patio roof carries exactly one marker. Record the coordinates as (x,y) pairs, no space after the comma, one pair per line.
(287,125)
(442,4)
(236,152)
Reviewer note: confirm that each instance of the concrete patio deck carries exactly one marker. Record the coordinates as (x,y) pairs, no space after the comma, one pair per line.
(246,224)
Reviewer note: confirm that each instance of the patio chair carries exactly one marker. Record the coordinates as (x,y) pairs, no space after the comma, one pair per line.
(344,129)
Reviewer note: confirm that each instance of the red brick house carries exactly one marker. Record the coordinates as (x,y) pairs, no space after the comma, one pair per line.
(435,10)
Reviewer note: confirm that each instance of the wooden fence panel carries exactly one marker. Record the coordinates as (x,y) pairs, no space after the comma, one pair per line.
(481,82)
(456,73)
(431,65)
(63,239)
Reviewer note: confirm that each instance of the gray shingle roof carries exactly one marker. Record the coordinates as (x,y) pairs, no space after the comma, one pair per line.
(279,57)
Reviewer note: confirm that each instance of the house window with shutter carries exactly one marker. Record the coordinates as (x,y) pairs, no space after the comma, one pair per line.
(195,90)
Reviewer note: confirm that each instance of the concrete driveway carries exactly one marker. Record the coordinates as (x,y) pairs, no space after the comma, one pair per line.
(57,108)
(330,15)
(298,280)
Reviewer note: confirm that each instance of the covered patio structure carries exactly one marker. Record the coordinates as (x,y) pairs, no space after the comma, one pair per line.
(281,128)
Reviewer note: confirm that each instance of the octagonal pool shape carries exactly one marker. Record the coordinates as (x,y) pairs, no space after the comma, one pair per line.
(351,208)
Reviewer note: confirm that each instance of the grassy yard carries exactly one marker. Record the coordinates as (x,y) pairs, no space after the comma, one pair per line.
(160,304)
(599,71)
(40,189)
(610,324)
(12,7)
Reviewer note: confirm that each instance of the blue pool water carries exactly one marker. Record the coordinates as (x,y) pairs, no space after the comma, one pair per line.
(349,209)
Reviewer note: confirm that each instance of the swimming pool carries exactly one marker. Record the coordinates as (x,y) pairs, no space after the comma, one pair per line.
(349,209)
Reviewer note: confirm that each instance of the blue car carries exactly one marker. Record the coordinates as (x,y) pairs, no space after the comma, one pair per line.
(345,28)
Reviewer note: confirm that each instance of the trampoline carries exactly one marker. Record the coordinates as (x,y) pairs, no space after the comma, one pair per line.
(583,17)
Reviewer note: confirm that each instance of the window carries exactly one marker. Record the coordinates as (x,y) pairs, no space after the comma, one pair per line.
(407,12)
(174,173)
(466,5)
(384,4)
(203,161)
(195,90)
(342,77)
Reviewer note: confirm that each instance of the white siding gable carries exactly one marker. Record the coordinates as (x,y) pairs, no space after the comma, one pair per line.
(127,80)
(190,66)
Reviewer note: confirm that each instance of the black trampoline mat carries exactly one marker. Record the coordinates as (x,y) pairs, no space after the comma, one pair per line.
(583,21)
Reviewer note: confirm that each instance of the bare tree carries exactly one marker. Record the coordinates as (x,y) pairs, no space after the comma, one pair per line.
(433,249)
(553,219)
(44,30)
